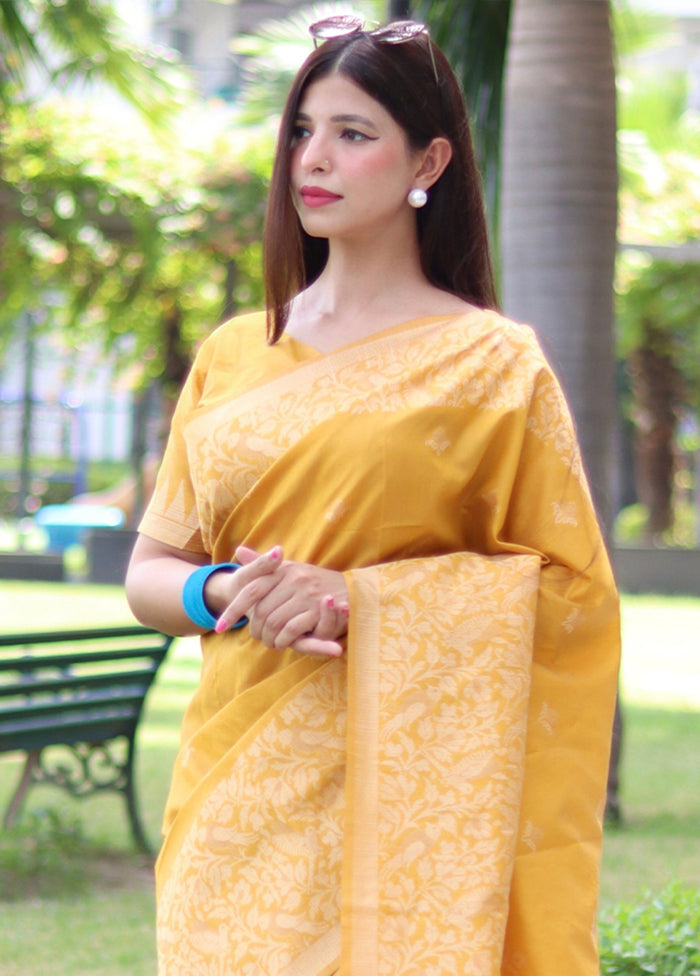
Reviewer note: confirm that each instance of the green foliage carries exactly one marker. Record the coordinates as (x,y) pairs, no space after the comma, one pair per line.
(659,192)
(474,37)
(657,935)
(83,40)
(636,29)
(658,304)
(132,232)
(113,231)
(630,527)
(52,481)
(655,107)
(40,854)
(275,52)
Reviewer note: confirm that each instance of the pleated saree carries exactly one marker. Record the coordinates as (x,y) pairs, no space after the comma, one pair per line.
(431,803)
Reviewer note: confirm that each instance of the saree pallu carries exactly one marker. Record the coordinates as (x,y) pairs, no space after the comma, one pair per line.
(432,802)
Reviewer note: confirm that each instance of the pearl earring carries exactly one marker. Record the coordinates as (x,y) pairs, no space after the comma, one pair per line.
(417,197)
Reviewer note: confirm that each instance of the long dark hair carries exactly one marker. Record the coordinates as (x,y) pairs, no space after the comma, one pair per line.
(452,229)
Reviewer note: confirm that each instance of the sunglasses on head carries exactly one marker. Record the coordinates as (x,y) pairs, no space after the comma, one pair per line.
(346,25)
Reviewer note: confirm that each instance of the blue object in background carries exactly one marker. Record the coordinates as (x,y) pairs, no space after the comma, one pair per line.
(67,525)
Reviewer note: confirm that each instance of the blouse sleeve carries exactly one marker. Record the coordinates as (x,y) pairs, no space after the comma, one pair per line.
(172,514)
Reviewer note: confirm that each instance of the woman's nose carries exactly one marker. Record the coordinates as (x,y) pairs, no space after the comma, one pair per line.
(315,155)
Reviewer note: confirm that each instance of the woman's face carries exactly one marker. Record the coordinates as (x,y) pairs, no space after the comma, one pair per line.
(351,165)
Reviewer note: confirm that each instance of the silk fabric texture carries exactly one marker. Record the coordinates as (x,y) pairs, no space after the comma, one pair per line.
(431,803)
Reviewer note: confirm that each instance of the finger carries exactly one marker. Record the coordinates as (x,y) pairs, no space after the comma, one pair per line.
(287,600)
(253,564)
(245,555)
(245,603)
(300,625)
(255,581)
(327,626)
(315,646)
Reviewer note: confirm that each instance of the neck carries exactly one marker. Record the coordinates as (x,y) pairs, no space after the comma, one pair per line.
(358,278)
(366,288)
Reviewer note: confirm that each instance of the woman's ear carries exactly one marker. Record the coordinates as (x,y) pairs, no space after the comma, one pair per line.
(433,162)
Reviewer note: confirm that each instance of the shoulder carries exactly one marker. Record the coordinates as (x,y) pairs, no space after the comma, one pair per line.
(497,330)
(235,333)
(230,338)
(500,353)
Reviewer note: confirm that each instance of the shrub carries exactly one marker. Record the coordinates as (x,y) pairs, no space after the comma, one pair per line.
(53,482)
(658,935)
(41,854)
(631,527)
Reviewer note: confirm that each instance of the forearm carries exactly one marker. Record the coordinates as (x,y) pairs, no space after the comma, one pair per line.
(154,584)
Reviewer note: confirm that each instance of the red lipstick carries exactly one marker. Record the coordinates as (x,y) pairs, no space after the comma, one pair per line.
(316,196)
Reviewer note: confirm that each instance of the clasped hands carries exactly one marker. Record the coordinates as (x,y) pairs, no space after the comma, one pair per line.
(288,604)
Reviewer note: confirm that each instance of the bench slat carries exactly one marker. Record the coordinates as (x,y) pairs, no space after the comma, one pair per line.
(95,633)
(98,729)
(31,721)
(40,687)
(51,713)
(33,662)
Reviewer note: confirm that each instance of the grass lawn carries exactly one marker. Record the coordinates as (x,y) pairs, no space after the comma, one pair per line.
(82,903)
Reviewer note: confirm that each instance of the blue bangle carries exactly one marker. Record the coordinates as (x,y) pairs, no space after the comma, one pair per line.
(193,596)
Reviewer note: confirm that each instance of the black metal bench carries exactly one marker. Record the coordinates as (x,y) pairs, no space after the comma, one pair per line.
(83,690)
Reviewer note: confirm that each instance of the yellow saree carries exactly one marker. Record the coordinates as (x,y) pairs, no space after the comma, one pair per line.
(432,802)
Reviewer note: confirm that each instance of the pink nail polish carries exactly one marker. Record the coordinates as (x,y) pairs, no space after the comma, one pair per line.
(345,611)
(221,625)
(330,602)
(275,553)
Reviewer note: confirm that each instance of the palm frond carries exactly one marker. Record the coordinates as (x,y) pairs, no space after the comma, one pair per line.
(275,52)
(18,49)
(84,40)
(17,44)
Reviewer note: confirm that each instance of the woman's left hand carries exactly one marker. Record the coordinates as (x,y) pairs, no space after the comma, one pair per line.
(290,604)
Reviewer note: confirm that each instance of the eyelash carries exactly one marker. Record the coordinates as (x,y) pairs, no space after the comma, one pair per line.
(353,135)
(301,132)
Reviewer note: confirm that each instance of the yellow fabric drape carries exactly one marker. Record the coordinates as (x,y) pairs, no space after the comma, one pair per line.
(432,802)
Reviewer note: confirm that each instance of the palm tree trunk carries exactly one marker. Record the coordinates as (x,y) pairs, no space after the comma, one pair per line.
(657,385)
(559,206)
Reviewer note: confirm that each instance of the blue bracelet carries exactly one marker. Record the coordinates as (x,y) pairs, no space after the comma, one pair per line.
(193,596)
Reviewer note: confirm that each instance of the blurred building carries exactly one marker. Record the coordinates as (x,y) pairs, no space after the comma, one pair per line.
(201,31)
(678,48)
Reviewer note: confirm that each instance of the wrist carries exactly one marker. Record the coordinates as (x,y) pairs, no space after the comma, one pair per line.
(196,595)
(216,591)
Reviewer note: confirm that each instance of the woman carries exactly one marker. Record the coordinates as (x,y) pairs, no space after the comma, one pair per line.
(395,760)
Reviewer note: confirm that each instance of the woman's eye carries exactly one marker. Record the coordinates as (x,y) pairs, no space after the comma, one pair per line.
(300,132)
(352,135)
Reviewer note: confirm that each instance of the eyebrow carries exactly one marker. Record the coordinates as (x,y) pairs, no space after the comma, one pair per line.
(361,119)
